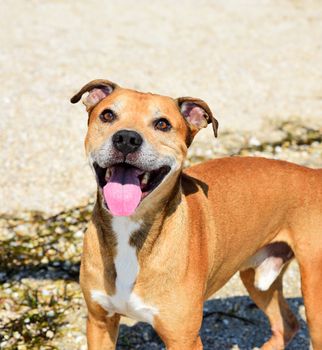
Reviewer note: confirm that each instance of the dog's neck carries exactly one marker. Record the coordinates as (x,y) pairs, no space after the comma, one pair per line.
(146,227)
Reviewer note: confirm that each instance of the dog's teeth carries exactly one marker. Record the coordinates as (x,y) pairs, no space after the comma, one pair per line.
(145,178)
(108,173)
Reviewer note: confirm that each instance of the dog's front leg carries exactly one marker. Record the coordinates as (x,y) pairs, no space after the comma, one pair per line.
(182,341)
(102,332)
(187,344)
(180,330)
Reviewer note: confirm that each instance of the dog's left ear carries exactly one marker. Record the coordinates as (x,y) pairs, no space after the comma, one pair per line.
(197,113)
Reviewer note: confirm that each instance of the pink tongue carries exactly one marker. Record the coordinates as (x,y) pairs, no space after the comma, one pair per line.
(123,192)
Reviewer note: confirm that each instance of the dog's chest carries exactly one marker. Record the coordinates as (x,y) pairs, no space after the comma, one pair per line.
(125,301)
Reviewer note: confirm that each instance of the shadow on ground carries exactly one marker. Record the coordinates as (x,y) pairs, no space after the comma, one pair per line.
(55,270)
(227,322)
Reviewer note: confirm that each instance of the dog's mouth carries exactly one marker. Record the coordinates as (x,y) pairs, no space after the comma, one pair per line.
(125,186)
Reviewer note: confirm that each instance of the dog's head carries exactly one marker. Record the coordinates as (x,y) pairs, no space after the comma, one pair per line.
(136,141)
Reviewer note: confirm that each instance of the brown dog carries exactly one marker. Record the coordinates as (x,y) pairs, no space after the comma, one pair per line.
(163,240)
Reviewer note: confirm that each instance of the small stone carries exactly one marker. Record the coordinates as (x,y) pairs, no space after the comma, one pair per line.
(44,260)
(78,234)
(50,334)
(45,292)
(59,230)
(22,347)
(51,313)
(16,335)
(79,339)
(146,336)
(51,252)
(253,141)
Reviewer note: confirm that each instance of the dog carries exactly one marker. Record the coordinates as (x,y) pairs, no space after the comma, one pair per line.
(162,239)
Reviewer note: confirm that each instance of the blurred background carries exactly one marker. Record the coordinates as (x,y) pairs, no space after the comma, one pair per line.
(258,64)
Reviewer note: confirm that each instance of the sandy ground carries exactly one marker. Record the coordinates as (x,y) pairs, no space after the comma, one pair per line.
(249,59)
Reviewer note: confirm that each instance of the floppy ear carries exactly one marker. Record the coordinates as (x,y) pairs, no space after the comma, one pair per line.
(98,89)
(197,113)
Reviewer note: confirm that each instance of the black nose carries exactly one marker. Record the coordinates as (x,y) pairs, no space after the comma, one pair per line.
(127,141)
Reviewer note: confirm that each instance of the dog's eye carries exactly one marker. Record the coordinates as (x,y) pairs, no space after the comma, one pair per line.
(107,116)
(162,124)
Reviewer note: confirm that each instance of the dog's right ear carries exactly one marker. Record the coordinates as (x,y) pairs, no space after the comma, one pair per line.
(97,89)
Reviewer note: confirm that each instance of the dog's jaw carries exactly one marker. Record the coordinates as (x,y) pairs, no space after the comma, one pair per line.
(150,170)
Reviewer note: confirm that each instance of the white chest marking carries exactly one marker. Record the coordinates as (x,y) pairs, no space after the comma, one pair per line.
(124,301)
